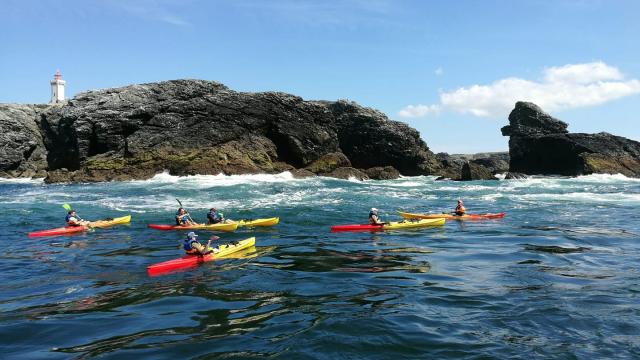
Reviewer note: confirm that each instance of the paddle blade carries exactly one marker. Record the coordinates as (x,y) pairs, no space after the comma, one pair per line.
(66,207)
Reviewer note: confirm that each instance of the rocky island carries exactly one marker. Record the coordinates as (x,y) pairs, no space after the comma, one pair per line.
(189,127)
(541,144)
(201,127)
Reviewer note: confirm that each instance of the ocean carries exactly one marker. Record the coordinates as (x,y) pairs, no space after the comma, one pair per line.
(557,278)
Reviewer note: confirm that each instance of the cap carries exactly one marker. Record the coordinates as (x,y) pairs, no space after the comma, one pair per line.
(374,209)
(192,235)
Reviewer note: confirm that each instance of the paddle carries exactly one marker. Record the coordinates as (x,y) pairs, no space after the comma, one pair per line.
(185,210)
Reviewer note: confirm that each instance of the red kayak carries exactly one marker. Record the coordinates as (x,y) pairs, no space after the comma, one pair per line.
(189,261)
(59,231)
(76,229)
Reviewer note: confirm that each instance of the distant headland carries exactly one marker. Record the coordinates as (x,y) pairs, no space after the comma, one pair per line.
(191,127)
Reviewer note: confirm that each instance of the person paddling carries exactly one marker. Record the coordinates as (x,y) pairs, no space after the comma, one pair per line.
(73,219)
(192,247)
(460,210)
(183,218)
(373,217)
(214,217)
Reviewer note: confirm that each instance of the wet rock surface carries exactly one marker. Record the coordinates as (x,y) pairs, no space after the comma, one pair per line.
(203,127)
(541,144)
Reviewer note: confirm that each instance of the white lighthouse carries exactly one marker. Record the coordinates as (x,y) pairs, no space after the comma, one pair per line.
(57,88)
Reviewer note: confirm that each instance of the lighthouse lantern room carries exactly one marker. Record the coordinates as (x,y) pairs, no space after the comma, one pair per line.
(57,88)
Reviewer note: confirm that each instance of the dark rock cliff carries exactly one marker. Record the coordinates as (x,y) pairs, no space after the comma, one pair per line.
(22,151)
(202,127)
(541,144)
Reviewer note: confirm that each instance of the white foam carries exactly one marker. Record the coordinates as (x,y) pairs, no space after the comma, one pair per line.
(35,181)
(606,178)
(218,180)
(583,197)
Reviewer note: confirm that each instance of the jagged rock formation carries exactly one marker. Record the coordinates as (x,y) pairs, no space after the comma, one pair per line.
(22,152)
(541,144)
(202,127)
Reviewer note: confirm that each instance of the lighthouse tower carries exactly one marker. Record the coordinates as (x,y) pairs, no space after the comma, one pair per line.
(57,88)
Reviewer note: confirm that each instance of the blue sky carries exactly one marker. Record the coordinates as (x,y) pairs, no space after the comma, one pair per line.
(451,69)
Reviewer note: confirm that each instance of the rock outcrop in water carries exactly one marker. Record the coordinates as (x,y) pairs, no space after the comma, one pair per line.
(22,151)
(541,144)
(202,127)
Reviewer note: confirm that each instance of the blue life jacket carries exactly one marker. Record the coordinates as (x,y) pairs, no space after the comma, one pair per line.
(184,218)
(187,244)
(68,217)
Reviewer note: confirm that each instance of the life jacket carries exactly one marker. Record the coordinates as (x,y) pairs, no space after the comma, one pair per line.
(371,215)
(69,222)
(460,210)
(181,219)
(187,246)
(214,217)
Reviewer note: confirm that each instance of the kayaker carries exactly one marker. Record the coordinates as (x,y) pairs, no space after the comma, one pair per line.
(73,219)
(460,210)
(373,217)
(183,219)
(193,247)
(214,217)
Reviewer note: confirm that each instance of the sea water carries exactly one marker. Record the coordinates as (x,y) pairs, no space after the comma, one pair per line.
(558,277)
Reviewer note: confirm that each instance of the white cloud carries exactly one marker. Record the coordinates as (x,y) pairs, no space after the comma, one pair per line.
(412,111)
(439,71)
(563,87)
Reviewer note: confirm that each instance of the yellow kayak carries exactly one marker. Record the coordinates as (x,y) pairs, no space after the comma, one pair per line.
(258,222)
(394,225)
(407,215)
(208,227)
(107,223)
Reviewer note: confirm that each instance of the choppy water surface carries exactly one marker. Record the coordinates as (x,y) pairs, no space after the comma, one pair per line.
(557,278)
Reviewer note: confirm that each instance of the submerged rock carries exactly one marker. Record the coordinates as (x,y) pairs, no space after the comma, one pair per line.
(347,173)
(382,173)
(515,176)
(541,144)
(473,171)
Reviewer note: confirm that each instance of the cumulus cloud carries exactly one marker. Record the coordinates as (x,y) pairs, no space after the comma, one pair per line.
(562,87)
